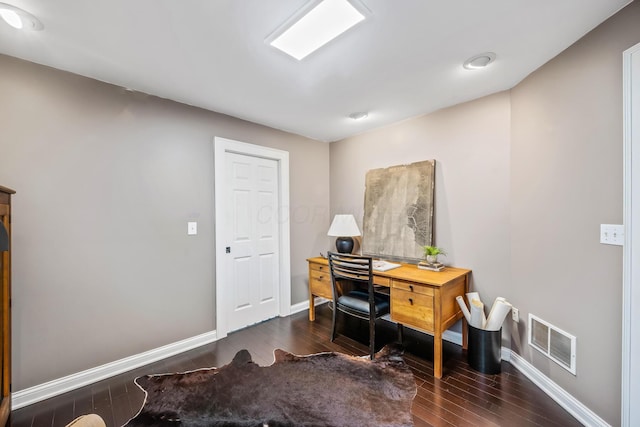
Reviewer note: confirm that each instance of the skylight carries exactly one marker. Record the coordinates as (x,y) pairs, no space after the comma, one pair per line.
(309,31)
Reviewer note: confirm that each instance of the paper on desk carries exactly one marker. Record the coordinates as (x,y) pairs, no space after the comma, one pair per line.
(380,265)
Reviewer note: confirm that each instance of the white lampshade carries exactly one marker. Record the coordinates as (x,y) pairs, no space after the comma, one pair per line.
(343,226)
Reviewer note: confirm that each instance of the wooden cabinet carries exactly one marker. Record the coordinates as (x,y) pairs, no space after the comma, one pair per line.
(5,307)
(424,300)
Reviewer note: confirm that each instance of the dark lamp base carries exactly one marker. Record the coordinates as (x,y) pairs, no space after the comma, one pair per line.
(344,245)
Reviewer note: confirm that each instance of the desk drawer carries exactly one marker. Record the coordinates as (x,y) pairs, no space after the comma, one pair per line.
(381,281)
(320,282)
(321,268)
(413,287)
(413,309)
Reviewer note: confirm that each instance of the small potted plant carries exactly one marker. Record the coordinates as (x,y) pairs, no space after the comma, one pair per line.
(431,253)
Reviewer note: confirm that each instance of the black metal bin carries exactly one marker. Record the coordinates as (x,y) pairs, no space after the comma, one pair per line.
(484,350)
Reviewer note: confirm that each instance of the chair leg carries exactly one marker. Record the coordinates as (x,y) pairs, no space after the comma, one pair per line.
(333,323)
(372,337)
(401,333)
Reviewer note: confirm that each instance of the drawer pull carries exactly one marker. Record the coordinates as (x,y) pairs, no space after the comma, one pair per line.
(411,288)
(320,277)
(411,301)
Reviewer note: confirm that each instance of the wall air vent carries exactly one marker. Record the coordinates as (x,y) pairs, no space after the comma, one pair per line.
(553,342)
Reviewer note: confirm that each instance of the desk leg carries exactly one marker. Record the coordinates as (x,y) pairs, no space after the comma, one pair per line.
(437,354)
(465,332)
(312,308)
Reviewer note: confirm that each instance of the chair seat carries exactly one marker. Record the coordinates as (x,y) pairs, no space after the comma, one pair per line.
(359,301)
(357,272)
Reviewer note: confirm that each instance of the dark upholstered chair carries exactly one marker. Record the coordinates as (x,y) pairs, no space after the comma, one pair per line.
(361,302)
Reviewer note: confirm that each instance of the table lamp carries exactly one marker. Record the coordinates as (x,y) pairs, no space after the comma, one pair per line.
(344,227)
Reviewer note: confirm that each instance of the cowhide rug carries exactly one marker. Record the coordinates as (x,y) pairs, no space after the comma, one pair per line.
(324,389)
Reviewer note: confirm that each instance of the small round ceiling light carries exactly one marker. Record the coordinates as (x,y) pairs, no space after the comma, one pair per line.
(360,115)
(18,18)
(479,61)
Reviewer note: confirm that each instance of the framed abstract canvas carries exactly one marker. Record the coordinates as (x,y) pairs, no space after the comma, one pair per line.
(398,211)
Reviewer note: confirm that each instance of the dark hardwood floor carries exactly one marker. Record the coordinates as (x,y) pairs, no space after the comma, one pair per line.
(463,397)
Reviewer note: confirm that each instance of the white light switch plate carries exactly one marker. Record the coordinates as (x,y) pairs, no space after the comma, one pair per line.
(192,228)
(612,234)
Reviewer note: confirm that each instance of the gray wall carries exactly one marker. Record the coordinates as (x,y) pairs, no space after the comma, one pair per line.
(529,175)
(106,181)
(470,144)
(567,161)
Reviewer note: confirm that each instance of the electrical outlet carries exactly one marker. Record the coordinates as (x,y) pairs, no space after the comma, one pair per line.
(515,314)
(192,228)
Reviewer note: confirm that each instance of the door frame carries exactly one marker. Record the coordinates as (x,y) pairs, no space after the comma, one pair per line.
(221,147)
(631,273)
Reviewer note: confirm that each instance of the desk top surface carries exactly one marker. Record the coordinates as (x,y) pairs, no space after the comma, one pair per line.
(411,272)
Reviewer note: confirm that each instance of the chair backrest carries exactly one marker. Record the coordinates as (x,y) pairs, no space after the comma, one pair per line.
(351,267)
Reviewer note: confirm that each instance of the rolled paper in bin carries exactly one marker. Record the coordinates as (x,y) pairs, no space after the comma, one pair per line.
(484,350)
(473,295)
(494,306)
(464,308)
(477,314)
(498,313)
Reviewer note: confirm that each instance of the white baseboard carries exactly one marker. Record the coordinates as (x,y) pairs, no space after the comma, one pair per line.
(44,391)
(452,336)
(304,305)
(572,405)
(301,306)
(505,354)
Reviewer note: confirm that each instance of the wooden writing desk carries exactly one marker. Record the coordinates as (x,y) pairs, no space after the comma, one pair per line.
(421,299)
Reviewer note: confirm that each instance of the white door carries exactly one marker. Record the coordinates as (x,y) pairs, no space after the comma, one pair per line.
(253,280)
(252,261)
(631,269)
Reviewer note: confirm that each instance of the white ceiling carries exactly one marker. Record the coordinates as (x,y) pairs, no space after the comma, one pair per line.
(403,61)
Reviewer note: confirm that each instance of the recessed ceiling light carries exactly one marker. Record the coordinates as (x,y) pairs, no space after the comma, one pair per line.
(315,25)
(479,61)
(359,115)
(18,18)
